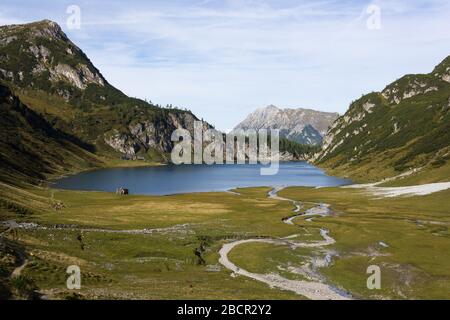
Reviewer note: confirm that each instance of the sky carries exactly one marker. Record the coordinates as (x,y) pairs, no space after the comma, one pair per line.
(224,59)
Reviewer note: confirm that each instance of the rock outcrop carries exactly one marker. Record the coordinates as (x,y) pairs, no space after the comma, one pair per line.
(41,55)
(146,135)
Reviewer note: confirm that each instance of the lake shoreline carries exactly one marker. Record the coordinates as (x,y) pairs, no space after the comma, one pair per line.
(185,179)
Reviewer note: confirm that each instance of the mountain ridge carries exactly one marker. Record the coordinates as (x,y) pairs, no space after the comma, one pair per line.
(55,79)
(301,125)
(404,127)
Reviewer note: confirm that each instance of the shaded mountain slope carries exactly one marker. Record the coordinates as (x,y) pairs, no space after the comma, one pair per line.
(31,148)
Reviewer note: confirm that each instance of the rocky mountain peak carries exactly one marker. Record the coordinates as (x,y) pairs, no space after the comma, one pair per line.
(41,29)
(40,55)
(442,70)
(304,126)
(270,107)
(50,29)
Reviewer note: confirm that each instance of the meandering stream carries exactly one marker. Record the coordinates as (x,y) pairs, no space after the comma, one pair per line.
(316,290)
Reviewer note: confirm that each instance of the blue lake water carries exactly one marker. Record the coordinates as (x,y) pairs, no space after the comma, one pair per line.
(172,179)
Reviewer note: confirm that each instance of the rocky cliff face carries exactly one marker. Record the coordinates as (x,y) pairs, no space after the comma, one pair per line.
(300,125)
(145,135)
(44,67)
(405,126)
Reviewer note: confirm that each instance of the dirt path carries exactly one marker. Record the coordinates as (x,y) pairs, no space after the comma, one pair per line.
(23,263)
(315,290)
(21,256)
(34,226)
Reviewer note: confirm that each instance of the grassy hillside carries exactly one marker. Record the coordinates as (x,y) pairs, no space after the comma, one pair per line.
(32,149)
(404,127)
(57,81)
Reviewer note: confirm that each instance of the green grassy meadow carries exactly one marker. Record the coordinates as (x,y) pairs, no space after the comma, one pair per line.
(163,265)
